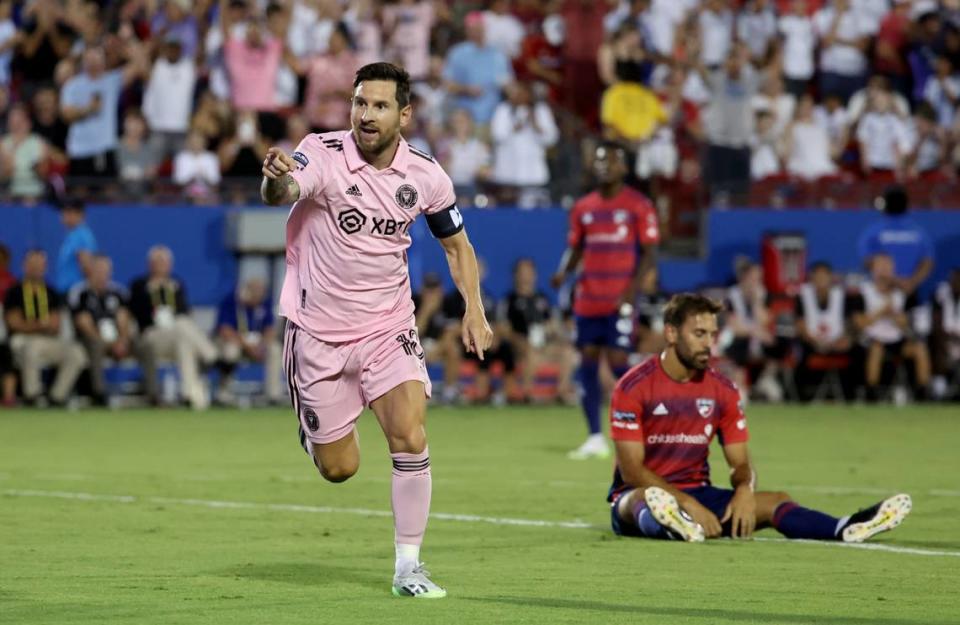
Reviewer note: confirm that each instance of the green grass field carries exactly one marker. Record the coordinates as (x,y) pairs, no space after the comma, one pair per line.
(152,517)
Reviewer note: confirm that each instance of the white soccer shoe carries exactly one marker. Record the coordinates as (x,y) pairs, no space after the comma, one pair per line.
(594,447)
(417,584)
(665,509)
(882,517)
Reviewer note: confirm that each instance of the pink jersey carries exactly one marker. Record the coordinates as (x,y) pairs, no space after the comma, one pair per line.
(348,234)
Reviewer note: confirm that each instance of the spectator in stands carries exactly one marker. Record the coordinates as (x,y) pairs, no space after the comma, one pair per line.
(32,314)
(942,91)
(524,318)
(799,42)
(729,123)
(622,58)
(174,22)
(716,22)
(476,72)
(541,56)
(246,330)
(764,145)
(650,302)
(431,93)
(882,315)
(48,125)
(196,169)
(287,85)
(252,61)
(8,379)
(901,238)
(23,157)
(9,38)
(242,152)
(406,29)
(773,98)
(465,157)
(158,302)
(945,338)
(75,259)
(806,147)
(823,327)
(102,321)
(137,157)
(754,347)
(89,103)
(884,140)
(168,97)
(927,161)
(505,31)
(892,45)
(878,87)
(523,129)
(46,38)
(843,36)
(757,29)
(330,84)
(297,129)
(438,336)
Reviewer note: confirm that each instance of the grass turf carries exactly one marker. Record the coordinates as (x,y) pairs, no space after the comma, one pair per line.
(148,559)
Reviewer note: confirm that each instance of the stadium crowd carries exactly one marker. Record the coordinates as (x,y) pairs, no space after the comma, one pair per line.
(172,98)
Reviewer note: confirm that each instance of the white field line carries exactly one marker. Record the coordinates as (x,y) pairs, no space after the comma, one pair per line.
(441,516)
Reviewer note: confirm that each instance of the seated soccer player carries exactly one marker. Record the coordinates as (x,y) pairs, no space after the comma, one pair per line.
(663,416)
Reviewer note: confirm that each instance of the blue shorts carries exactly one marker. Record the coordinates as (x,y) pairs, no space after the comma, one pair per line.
(710,497)
(609,331)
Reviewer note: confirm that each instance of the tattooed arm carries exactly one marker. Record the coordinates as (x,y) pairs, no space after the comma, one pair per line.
(278,186)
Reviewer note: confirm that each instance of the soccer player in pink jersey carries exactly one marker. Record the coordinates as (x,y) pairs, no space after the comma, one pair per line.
(663,415)
(351,338)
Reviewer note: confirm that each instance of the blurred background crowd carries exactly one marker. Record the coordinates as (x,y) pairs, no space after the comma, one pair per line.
(720,103)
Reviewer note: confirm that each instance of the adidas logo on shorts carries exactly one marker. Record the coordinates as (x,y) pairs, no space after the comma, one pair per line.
(354,190)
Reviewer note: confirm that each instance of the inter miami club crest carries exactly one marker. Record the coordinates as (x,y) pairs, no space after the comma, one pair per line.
(311,419)
(705,407)
(406,196)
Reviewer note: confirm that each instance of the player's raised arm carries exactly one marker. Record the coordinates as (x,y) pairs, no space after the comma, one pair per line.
(477,335)
(742,509)
(278,186)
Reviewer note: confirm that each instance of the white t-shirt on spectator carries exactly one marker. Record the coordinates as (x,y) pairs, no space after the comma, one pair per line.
(883,136)
(763,160)
(716,35)
(871,13)
(191,167)
(465,159)
(302,20)
(799,43)
(809,156)
(757,31)
(168,98)
(939,95)
(504,32)
(520,156)
(842,58)
(929,150)
(836,123)
(782,108)
(858,104)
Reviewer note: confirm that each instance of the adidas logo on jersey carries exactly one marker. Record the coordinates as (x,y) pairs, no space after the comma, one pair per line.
(354,190)
(660,410)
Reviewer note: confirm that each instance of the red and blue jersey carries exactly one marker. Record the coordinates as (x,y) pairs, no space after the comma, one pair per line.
(675,421)
(609,231)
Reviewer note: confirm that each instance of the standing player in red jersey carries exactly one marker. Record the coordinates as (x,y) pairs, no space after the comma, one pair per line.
(664,414)
(614,232)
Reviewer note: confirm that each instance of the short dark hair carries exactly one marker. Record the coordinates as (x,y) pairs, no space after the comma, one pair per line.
(820,264)
(612,146)
(74,205)
(387,71)
(684,305)
(895,200)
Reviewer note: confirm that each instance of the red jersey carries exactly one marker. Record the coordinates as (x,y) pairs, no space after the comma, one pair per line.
(609,231)
(675,421)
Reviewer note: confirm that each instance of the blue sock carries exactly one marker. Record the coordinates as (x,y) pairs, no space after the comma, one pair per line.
(589,377)
(648,525)
(794,521)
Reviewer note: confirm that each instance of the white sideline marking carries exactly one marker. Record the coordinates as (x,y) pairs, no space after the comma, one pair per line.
(463,518)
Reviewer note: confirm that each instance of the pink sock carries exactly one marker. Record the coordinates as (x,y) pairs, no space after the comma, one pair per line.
(411,496)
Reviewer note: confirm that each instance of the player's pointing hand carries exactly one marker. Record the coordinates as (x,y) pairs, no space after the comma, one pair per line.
(277,163)
(476,333)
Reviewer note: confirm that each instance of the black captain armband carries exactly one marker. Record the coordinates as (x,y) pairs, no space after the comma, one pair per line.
(445,223)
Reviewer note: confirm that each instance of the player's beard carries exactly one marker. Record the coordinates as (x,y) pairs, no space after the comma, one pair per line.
(691,361)
(387,141)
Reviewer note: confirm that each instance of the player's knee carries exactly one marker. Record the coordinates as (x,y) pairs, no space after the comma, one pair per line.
(782,497)
(338,472)
(408,443)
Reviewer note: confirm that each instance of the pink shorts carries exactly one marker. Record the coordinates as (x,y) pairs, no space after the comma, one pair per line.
(331,383)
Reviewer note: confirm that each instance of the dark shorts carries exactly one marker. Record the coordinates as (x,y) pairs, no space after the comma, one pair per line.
(609,331)
(710,497)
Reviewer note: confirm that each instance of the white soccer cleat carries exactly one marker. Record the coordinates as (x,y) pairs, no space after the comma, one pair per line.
(594,447)
(665,509)
(882,517)
(417,584)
